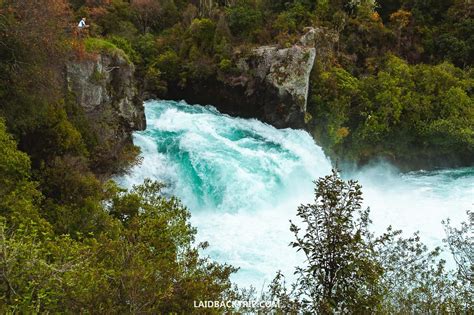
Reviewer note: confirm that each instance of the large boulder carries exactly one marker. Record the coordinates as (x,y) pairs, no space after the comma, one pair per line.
(279,78)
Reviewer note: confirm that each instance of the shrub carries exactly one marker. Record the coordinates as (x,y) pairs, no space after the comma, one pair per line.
(125,45)
(244,18)
(169,64)
(99,45)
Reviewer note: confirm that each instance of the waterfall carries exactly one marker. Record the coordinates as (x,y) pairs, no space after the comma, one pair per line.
(243,180)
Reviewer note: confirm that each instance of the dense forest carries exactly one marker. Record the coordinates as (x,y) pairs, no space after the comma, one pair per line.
(395,81)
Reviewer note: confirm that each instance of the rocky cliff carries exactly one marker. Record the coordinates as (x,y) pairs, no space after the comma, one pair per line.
(271,84)
(279,80)
(105,89)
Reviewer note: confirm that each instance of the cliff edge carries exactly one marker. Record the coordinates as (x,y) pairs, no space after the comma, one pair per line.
(105,89)
(279,81)
(270,83)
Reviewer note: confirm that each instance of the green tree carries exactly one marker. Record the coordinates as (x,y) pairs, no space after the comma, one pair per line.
(294,19)
(161,269)
(36,268)
(202,33)
(341,271)
(147,13)
(415,279)
(29,81)
(244,18)
(18,192)
(412,115)
(461,244)
(332,92)
(169,64)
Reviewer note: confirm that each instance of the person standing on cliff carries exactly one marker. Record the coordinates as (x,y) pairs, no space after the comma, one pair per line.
(82,26)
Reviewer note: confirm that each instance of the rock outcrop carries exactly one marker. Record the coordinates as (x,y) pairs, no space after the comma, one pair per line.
(272,84)
(279,78)
(105,88)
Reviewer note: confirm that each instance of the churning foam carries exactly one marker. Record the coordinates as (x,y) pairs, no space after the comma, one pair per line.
(243,180)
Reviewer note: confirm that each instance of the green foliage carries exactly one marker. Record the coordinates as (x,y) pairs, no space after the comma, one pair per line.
(154,81)
(329,104)
(125,45)
(341,271)
(401,112)
(160,262)
(431,32)
(225,65)
(169,16)
(461,243)
(416,280)
(244,18)
(145,260)
(29,81)
(169,65)
(18,193)
(453,40)
(36,269)
(14,165)
(99,45)
(294,19)
(70,241)
(145,45)
(115,17)
(74,197)
(202,33)
(54,136)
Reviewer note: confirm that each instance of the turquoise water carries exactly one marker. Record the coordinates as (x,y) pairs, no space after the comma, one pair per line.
(243,180)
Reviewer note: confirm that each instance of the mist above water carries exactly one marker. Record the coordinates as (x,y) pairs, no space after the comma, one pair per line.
(243,181)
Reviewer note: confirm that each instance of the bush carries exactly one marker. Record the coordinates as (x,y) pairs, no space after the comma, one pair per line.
(202,32)
(125,45)
(154,81)
(225,65)
(294,19)
(169,64)
(244,18)
(145,262)
(99,45)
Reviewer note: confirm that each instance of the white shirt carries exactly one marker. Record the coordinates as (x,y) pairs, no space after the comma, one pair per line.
(82,24)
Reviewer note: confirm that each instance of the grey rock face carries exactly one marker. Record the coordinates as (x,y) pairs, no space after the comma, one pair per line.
(279,78)
(107,83)
(104,87)
(271,84)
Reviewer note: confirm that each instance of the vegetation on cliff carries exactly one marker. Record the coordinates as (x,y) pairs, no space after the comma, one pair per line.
(393,78)
(98,45)
(417,116)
